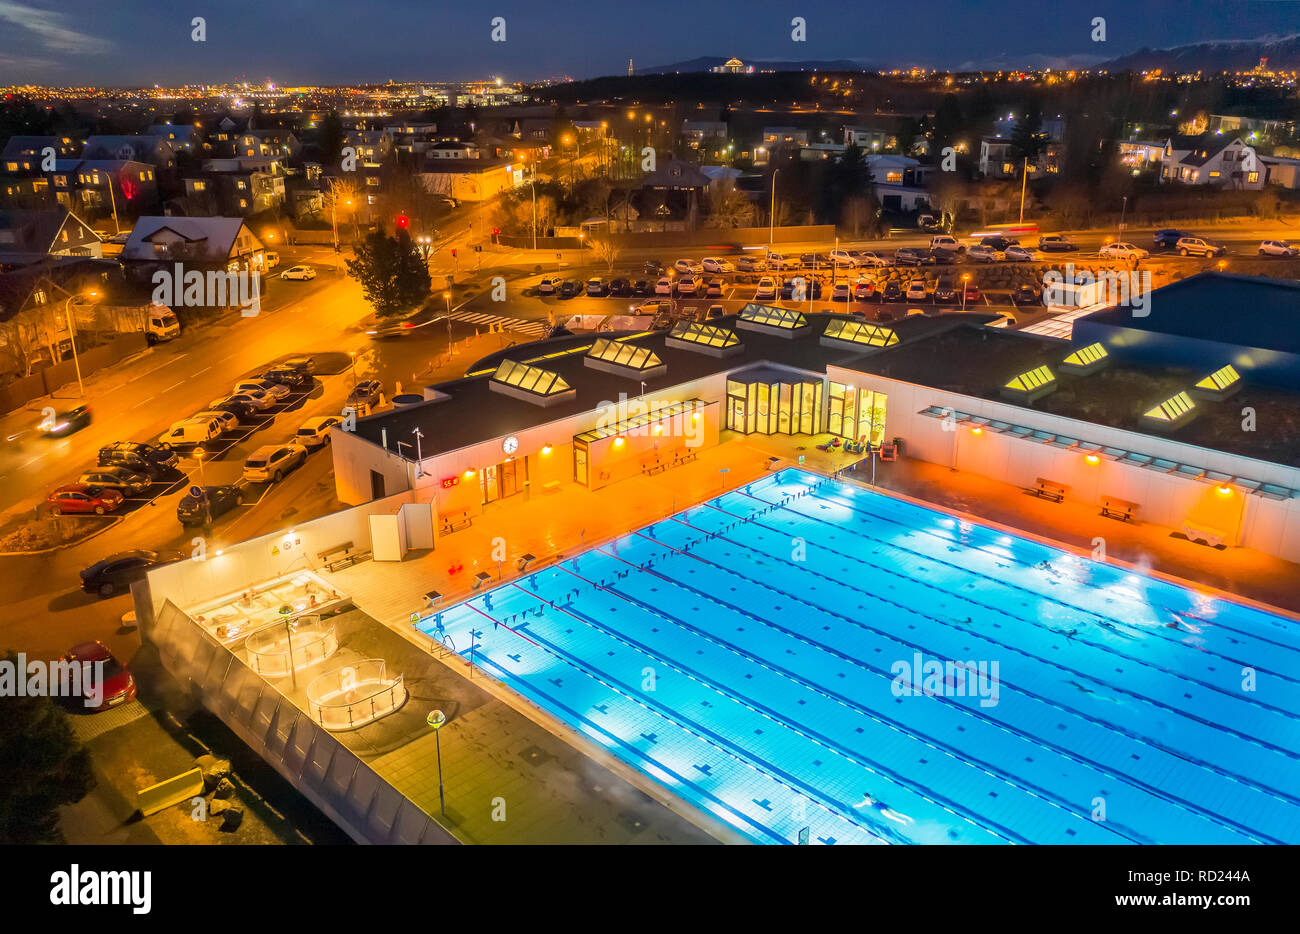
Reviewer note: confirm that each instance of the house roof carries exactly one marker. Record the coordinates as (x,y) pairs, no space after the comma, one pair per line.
(33,231)
(216,233)
(139,148)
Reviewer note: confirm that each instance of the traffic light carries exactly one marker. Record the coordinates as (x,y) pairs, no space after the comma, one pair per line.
(403,221)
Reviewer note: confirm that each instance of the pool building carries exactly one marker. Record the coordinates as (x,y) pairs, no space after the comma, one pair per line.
(678,567)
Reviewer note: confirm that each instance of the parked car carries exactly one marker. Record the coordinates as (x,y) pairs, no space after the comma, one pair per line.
(780,261)
(864,290)
(688,285)
(315,431)
(892,292)
(277,391)
(970,293)
(272,259)
(811,288)
(927,222)
(1198,246)
(1169,236)
(715,312)
(549,285)
(118,572)
(1026,295)
(215,501)
(596,287)
(1020,254)
(715,287)
(653,268)
(641,287)
(569,288)
(664,286)
(240,406)
(295,380)
(767,289)
(916,291)
(105,682)
(193,430)
(127,482)
(299,273)
(946,243)
(688,266)
(815,260)
(620,288)
(228,420)
(138,456)
(304,362)
(945,290)
(62,424)
(82,499)
(1276,248)
(1123,251)
(912,256)
(716,264)
(914,311)
(750,264)
(1003,319)
(272,461)
(872,258)
(842,292)
(843,258)
(982,253)
(1056,243)
(367,392)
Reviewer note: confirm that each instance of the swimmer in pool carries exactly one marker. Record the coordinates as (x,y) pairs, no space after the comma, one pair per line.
(884,809)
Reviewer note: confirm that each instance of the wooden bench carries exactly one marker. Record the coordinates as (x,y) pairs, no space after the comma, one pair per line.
(340,556)
(1112,507)
(1049,489)
(456,523)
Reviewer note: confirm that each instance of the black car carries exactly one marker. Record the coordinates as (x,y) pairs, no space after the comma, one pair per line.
(1025,295)
(653,268)
(999,243)
(215,501)
(1169,236)
(812,288)
(304,362)
(152,460)
(288,376)
(913,256)
(63,424)
(125,481)
(117,573)
(892,292)
(570,288)
(368,391)
(240,408)
(945,291)
(620,288)
(641,287)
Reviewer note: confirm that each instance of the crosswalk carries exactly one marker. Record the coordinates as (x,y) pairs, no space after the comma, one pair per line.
(484,320)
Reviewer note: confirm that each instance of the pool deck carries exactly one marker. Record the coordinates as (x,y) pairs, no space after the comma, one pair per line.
(560,787)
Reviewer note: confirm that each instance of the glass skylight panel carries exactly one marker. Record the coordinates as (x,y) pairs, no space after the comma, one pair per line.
(860,332)
(773,317)
(704,334)
(1172,408)
(1220,379)
(529,378)
(1086,356)
(1036,378)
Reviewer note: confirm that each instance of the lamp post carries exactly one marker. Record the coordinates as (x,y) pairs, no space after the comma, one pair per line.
(964,280)
(771,214)
(447,296)
(1024,177)
(1123,212)
(437,719)
(72,334)
(352,366)
(419,454)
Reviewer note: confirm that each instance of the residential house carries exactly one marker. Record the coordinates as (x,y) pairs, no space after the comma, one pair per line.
(374,146)
(454,149)
(867,139)
(271,143)
(237,187)
(25,191)
(221,243)
(223,136)
(1140,155)
(470,179)
(26,155)
(1281,171)
(899,182)
(116,187)
(151,150)
(27,236)
(183,137)
(1212,159)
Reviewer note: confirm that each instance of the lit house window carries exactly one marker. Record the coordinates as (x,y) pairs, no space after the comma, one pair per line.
(1252,177)
(894,178)
(1214,174)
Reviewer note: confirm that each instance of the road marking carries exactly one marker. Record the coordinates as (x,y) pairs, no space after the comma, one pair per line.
(173,386)
(204,370)
(142,402)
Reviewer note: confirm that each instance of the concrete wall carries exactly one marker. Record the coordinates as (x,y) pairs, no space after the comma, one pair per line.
(1270,526)
(747,236)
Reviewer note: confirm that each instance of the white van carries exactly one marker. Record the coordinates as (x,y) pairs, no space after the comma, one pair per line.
(192,431)
(162,325)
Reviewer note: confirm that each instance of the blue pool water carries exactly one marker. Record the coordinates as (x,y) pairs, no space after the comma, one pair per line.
(768,656)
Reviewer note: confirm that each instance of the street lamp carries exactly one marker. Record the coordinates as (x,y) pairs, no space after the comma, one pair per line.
(771,215)
(72,334)
(419,455)
(352,366)
(437,719)
(447,296)
(964,280)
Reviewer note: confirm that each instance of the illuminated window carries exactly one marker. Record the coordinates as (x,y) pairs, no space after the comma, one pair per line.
(1034,379)
(530,379)
(770,316)
(1220,379)
(1086,356)
(704,334)
(853,331)
(1172,409)
(623,354)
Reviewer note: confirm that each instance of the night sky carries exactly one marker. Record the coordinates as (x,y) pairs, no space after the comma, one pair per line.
(138,42)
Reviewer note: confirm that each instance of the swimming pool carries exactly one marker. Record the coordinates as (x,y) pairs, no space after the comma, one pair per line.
(803,657)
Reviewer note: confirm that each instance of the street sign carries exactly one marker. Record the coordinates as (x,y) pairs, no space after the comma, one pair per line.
(197,492)
(436,719)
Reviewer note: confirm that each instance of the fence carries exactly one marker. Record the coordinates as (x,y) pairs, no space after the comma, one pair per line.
(44,382)
(739,236)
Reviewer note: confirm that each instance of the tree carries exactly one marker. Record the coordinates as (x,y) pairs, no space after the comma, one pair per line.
(391,272)
(604,251)
(1028,141)
(42,766)
(331,138)
(729,205)
(860,213)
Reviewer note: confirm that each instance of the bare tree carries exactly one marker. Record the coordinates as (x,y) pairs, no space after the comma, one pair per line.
(604,251)
(729,206)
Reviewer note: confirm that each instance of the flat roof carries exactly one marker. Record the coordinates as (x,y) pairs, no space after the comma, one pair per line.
(1249,311)
(979,361)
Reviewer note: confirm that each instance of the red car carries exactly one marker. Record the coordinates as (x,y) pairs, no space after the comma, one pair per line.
(972,293)
(83,498)
(104,682)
